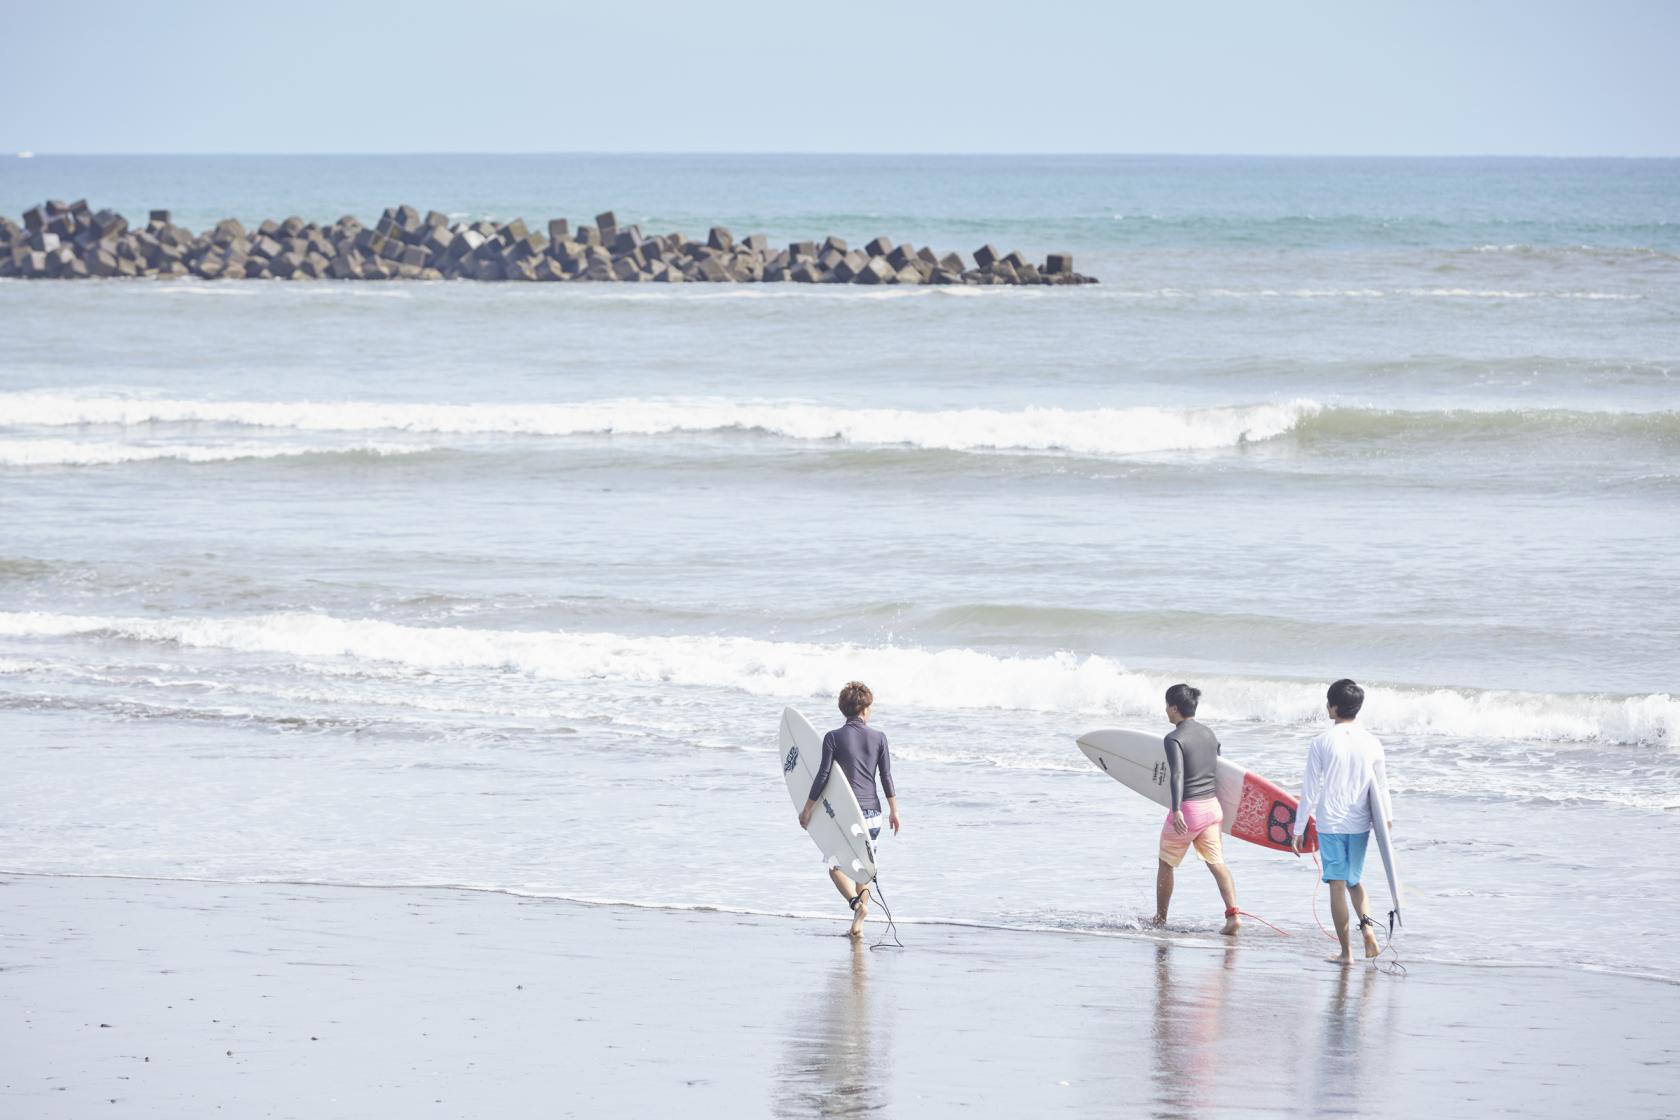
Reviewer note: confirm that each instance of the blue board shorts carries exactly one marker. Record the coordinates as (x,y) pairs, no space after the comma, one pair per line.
(872,818)
(1343,855)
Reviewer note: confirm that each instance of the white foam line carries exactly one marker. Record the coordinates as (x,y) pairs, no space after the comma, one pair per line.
(965,679)
(1101,431)
(74,453)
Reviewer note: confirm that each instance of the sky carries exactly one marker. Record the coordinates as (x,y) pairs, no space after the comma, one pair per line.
(1275,77)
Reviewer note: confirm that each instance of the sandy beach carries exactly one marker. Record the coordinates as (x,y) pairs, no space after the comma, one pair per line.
(156,998)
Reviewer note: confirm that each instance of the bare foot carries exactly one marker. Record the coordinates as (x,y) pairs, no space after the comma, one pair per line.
(1343,961)
(1158,920)
(859,912)
(1369,929)
(1232,925)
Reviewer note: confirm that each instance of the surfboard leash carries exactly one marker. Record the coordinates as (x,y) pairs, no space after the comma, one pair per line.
(892,926)
(1387,969)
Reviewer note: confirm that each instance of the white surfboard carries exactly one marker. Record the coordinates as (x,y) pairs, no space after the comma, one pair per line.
(1254,809)
(1385,848)
(838,826)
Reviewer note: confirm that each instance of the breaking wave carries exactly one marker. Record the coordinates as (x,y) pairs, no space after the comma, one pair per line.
(929,678)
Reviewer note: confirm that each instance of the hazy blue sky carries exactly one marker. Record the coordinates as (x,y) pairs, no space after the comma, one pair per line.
(1532,77)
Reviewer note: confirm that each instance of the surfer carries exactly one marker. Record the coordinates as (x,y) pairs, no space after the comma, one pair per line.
(861,751)
(1195,816)
(1343,765)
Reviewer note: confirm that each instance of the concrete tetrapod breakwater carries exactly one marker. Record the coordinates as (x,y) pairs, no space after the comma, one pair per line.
(67,241)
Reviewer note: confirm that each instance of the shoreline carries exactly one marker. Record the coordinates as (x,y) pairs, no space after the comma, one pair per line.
(173,998)
(1255,939)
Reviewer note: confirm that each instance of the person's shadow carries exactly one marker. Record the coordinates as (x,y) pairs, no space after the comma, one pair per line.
(835,1065)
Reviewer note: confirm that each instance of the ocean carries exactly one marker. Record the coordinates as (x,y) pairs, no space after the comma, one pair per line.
(505,587)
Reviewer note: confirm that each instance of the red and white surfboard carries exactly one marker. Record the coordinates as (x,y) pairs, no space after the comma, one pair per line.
(1255,810)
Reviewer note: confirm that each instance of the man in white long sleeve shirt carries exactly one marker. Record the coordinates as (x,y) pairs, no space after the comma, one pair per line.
(1344,767)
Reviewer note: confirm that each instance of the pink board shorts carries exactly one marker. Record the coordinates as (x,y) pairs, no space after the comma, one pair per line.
(1202,820)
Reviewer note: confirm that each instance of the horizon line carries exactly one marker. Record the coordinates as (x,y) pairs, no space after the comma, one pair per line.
(27,153)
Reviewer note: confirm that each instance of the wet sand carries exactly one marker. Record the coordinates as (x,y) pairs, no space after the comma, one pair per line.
(171,999)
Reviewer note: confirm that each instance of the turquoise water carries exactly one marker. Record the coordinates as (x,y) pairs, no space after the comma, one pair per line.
(451,582)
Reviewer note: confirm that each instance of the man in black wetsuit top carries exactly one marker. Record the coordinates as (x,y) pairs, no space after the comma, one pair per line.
(1195,816)
(862,752)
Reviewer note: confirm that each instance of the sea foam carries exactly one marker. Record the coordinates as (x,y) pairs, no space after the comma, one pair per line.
(1089,685)
(1098,432)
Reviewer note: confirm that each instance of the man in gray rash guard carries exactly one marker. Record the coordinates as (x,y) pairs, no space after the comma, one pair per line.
(861,751)
(1195,817)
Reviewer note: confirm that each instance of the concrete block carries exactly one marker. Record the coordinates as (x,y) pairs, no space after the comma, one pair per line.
(227,230)
(437,242)
(293,226)
(877,271)
(127,269)
(414,255)
(606,222)
(109,224)
(901,257)
(588,235)
(879,247)
(626,240)
(1057,264)
(928,255)
(985,256)
(712,271)
(43,242)
(1005,271)
(835,243)
(514,231)
(802,249)
(1015,258)
(757,243)
(156,217)
(847,271)
(407,218)
(35,219)
(831,258)
(945,276)
(429,274)
(952,262)
(599,271)
(806,272)
(465,244)
(719,238)
(549,269)
(392,249)
(344,267)
(434,220)
(102,262)
(672,275)
(407,272)
(559,229)
(527,246)
(266,247)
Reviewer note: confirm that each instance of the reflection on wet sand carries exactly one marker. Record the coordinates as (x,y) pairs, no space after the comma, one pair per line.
(1186,1033)
(1342,1074)
(835,1065)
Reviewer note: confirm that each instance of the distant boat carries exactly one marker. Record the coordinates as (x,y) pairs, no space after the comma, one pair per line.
(26,155)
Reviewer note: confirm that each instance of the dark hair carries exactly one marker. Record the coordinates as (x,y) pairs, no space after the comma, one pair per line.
(1346,697)
(1183,697)
(854,698)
